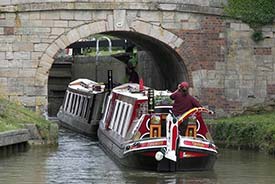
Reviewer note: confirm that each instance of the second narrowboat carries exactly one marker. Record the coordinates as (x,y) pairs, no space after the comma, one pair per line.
(82,107)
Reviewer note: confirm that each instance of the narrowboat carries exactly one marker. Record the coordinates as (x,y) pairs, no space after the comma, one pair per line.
(81,109)
(139,130)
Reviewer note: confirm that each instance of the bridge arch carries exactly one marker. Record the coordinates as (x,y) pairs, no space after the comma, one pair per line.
(142,33)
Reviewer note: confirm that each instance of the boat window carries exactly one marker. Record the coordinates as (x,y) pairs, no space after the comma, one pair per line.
(91,108)
(117,116)
(122,117)
(128,114)
(75,103)
(72,103)
(82,106)
(67,100)
(112,124)
(79,105)
(87,109)
(107,108)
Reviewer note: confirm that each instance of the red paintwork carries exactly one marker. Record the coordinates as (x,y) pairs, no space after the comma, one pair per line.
(193,143)
(174,137)
(149,144)
(149,154)
(189,154)
(143,129)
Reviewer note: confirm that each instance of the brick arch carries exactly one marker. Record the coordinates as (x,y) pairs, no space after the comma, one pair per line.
(85,30)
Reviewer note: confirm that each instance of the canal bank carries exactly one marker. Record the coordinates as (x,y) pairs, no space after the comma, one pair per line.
(21,127)
(254,132)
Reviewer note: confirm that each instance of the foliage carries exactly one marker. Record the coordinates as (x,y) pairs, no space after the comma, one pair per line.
(163,100)
(257,36)
(247,131)
(103,51)
(255,13)
(133,60)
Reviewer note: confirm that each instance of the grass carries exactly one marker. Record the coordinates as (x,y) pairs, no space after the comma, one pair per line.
(246,131)
(14,116)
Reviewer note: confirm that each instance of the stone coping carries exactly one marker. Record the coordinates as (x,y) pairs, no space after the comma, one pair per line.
(14,137)
(199,6)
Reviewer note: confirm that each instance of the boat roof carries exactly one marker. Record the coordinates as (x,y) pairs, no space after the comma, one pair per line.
(132,90)
(87,85)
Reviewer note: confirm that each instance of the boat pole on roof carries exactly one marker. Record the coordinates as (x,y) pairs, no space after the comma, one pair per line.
(98,53)
(110,80)
(151,101)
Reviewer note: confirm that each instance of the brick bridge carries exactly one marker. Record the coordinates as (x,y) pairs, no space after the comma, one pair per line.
(188,39)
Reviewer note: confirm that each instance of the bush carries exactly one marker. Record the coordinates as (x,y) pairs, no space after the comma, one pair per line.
(255,13)
(255,132)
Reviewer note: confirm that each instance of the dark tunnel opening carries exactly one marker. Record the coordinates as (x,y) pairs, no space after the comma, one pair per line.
(169,64)
(164,67)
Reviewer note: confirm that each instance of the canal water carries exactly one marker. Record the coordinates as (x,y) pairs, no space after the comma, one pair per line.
(80,160)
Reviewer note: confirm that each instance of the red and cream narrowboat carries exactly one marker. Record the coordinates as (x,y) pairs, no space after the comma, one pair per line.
(81,108)
(138,130)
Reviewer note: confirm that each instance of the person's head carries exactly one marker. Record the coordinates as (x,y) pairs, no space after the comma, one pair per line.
(183,87)
(129,68)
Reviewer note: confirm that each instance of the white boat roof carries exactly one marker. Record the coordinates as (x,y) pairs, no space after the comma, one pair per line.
(132,90)
(86,85)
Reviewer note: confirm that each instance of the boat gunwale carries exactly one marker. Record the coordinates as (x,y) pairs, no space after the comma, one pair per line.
(87,93)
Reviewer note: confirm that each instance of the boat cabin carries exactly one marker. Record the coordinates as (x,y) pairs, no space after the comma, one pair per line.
(81,108)
(128,113)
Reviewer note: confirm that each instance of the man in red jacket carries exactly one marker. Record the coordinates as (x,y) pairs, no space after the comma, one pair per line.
(183,102)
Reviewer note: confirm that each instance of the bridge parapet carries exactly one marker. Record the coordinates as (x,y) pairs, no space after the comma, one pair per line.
(197,6)
(193,2)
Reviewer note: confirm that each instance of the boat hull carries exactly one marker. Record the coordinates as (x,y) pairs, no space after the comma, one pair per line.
(87,126)
(78,125)
(145,159)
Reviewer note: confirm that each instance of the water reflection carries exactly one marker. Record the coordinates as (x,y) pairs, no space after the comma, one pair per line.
(80,160)
(245,167)
(25,167)
(171,178)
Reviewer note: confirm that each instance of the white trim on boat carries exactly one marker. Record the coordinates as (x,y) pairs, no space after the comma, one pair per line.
(122,117)
(107,109)
(112,124)
(127,120)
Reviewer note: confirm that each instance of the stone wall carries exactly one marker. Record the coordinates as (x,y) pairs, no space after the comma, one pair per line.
(85,67)
(230,72)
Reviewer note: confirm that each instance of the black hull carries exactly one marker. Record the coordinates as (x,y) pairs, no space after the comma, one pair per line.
(87,126)
(139,161)
(75,124)
(165,165)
